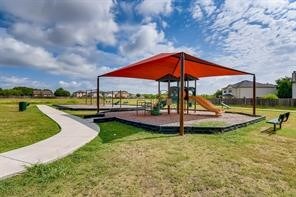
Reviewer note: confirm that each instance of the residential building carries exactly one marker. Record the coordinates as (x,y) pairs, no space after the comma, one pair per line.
(42,93)
(93,94)
(79,94)
(124,94)
(244,89)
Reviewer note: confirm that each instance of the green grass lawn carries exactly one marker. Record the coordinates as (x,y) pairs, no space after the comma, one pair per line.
(47,101)
(128,161)
(20,129)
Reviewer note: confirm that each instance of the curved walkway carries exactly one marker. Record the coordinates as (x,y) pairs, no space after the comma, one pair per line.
(72,136)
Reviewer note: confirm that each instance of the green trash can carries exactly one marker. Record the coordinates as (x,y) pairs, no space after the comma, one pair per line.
(23,106)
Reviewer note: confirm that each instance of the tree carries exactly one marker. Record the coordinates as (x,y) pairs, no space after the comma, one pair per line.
(24,91)
(284,87)
(138,95)
(61,92)
(218,93)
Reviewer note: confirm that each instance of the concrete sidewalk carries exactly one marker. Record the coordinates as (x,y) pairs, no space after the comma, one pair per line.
(73,135)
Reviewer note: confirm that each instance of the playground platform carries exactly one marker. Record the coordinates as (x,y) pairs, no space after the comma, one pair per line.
(169,123)
(102,107)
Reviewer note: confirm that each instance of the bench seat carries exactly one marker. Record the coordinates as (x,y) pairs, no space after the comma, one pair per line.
(274,121)
(279,121)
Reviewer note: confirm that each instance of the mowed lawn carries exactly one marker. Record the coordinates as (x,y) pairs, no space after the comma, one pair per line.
(128,161)
(18,129)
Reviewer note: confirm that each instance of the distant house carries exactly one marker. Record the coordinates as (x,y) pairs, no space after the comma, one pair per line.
(109,94)
(132,95)
(124,94)
(79,94)
(244,89)
(93,94)
(42,93)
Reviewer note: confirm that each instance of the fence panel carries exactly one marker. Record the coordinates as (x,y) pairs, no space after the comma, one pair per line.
(259,101)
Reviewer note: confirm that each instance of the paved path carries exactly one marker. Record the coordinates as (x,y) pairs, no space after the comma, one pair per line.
(72,136)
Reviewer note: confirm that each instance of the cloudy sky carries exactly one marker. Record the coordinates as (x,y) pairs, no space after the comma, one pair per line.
(67,43)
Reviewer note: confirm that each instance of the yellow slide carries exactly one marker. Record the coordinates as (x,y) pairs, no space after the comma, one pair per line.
(207,104)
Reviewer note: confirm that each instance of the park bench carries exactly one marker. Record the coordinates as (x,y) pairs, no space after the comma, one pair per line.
(279,121)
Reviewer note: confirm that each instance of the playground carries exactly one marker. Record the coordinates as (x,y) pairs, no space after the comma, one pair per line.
(175,109)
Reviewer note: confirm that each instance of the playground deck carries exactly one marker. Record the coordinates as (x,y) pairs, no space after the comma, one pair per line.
(169,123)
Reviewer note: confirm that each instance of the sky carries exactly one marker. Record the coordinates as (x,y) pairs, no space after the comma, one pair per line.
(67,43)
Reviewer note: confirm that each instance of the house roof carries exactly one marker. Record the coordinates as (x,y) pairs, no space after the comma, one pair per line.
(249,84)
(166,66)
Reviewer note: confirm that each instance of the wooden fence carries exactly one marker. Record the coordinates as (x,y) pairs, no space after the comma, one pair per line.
(259,101)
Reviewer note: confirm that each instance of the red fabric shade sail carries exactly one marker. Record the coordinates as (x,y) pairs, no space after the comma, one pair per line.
(168,64)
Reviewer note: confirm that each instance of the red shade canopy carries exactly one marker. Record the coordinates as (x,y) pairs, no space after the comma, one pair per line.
(168,64)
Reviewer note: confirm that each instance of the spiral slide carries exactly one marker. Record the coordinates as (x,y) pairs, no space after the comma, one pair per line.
(207,104)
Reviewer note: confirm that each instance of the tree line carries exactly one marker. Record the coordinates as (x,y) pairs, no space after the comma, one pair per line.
(283,86)
(28,91)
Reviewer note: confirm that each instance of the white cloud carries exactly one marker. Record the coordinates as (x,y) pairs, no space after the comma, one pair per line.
(20,54)
(76,85)
(66,22)
(145,40)
(154,8)
(255,36)
(13,81)
(201,8)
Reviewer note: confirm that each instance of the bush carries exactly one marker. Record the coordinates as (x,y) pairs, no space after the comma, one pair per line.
(61,92)
(270,96)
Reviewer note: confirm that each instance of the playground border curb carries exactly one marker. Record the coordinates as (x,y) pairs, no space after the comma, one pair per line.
(188,129)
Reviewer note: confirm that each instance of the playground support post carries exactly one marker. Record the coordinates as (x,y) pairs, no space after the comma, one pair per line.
(91,99)
(169,96)
(98,94)
(158,91)
(181,93)
(178,88)
(120,98)
(194,95)
(254,95)
(187,102)
(86,97)
(112,98)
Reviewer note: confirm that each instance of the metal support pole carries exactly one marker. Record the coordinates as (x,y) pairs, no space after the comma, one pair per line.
(91,99)
(98,94)
(254,94)
(112,99)
(86,97)
(169,96)
(120,98)
(187,102)
(158,91)
(178,88)
(181,92)
(195,95)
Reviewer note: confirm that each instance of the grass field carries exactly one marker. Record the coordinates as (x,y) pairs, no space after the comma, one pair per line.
(128,161)
(20,129)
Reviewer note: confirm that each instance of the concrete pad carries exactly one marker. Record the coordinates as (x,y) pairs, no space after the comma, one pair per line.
(73,135)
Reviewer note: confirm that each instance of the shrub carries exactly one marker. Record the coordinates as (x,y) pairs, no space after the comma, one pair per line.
(270,96)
